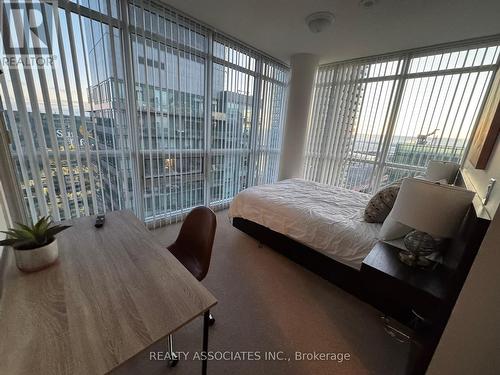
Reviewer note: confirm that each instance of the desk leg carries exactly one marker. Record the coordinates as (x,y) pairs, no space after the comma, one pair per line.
(206,323)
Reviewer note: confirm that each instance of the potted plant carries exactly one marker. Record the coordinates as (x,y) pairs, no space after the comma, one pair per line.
(35,247)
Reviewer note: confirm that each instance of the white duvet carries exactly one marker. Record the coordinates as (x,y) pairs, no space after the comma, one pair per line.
(326,218)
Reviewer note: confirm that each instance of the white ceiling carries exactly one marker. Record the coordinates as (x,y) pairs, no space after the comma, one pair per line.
(277,27)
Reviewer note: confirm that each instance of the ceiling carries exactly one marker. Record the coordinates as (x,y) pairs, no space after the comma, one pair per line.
(277,27)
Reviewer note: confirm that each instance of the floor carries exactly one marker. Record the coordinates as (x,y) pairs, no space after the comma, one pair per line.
(267,303)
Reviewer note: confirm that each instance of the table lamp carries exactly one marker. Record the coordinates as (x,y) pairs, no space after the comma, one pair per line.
(434,211)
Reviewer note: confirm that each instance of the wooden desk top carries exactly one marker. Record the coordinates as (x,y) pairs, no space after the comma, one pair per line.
(113,292)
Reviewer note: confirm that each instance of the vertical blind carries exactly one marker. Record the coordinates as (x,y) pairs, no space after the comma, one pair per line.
(376,120)
(63,134)
(248,95)
(141,108)
(169,54)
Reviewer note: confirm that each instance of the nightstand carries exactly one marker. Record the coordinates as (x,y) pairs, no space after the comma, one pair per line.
(422,299)
(418,299)
(397,289)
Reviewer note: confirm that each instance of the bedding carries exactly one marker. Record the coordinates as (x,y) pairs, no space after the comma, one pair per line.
(325,218)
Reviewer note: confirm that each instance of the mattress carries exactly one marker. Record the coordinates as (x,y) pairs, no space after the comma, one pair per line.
(325,218)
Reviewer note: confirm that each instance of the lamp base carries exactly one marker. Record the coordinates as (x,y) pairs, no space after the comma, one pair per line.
(420,245)
(414,260)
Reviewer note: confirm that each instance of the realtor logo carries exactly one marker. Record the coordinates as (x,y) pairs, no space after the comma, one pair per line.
(27,29)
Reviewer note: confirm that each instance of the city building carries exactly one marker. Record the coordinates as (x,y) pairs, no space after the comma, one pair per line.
(249,187)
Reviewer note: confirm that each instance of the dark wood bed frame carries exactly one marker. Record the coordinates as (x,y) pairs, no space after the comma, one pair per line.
(339,274)
(458,258)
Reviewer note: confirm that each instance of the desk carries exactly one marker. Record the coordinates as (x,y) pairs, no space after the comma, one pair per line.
(113,292)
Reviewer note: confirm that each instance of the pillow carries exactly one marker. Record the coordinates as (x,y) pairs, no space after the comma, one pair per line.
(439,170)
(392,229)
(442,181)
(381,203)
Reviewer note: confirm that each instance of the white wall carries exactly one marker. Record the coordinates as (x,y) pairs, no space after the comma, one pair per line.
(303,73)
(471,340)
(480,178)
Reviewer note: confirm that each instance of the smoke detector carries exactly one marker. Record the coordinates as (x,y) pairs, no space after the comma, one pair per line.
(319,21)
(367,3)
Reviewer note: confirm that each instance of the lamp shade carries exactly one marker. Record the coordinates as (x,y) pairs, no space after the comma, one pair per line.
(429,207)
(440,170)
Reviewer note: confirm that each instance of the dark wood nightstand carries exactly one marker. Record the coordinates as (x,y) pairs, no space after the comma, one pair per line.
(397,289)
(419,299)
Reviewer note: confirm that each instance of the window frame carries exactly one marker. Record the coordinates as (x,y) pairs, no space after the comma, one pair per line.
(316,160)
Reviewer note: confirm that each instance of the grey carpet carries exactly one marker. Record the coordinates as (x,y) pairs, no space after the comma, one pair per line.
(269,303)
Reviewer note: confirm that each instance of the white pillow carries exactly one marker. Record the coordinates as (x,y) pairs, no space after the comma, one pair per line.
(392,229)
(438,170)
(442,181)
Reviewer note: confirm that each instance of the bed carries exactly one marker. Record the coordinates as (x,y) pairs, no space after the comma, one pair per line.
(324,218)
(321,228)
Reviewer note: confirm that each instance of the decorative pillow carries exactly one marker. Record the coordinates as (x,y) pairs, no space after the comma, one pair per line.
(381,203)
(392,229)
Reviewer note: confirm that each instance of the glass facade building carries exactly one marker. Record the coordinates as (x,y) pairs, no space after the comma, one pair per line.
(378,119)
(142,108)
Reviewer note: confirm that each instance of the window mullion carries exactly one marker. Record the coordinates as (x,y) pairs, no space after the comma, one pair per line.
(379,166)
(131,100)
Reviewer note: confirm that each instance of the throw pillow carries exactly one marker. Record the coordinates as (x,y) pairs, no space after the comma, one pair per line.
(381,203)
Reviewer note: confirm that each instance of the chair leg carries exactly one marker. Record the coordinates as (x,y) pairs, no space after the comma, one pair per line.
(172,362)
(211,320)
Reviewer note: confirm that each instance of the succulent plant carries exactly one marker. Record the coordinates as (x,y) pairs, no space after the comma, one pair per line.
(26,237)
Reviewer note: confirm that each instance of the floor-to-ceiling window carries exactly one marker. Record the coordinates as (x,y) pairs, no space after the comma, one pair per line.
(248,97)
(377,120)
(114,105)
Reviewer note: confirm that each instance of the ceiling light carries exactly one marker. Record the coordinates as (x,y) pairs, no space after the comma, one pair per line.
(367,3)
(319,21)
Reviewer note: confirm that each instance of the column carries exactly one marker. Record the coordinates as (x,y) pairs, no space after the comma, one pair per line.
(303,72)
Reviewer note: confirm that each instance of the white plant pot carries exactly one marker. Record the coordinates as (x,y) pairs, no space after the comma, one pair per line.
(36,259)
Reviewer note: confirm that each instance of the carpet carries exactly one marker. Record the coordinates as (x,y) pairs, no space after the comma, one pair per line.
(274,317)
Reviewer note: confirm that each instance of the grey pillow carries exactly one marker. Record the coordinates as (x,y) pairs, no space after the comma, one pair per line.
(381,203)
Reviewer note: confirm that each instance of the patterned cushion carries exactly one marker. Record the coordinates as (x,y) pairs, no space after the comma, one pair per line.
(381,203)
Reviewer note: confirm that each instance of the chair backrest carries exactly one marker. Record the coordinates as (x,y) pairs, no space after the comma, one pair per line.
(196,236)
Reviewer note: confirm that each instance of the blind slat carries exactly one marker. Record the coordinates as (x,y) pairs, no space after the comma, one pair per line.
(144,109)
(386,122)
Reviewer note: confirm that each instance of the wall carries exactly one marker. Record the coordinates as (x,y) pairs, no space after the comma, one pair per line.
(480,178)
(471,340)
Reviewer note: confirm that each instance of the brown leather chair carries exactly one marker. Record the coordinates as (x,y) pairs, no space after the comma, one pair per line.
(193,248)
